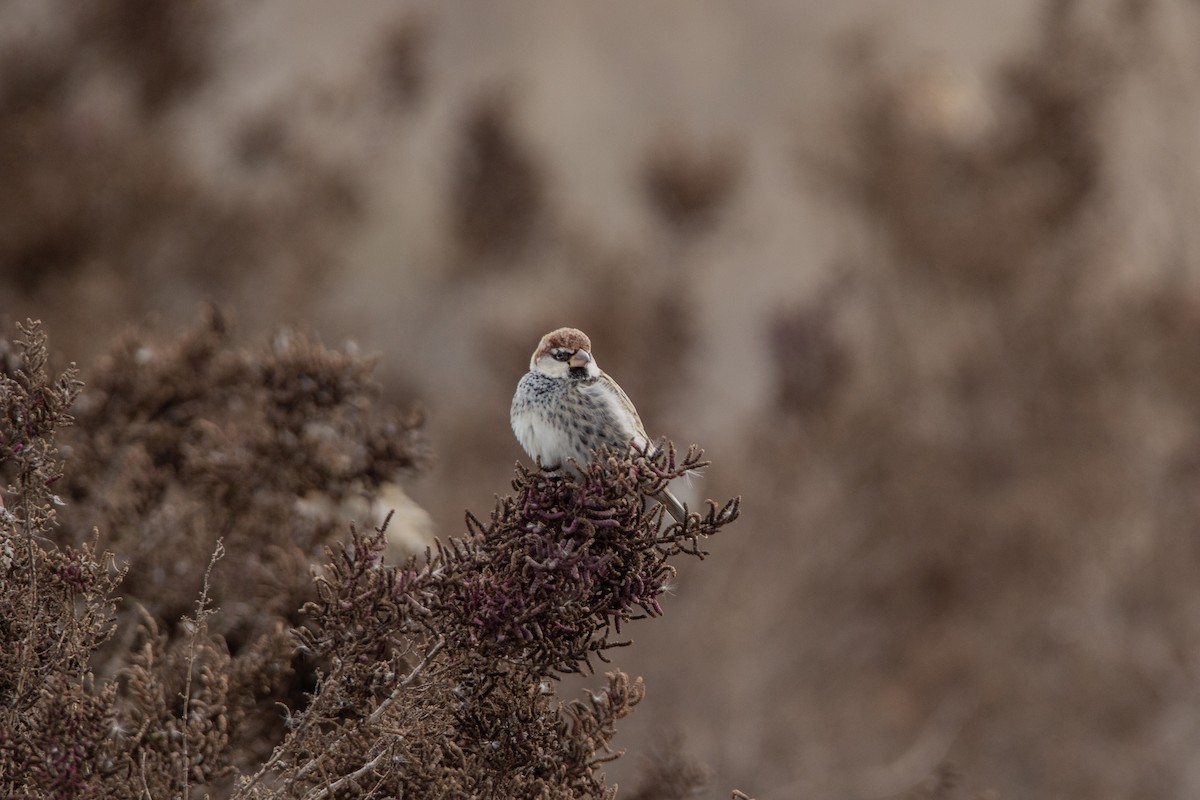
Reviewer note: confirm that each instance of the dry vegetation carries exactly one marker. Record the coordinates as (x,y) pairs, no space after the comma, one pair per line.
(968,562)
(430,678)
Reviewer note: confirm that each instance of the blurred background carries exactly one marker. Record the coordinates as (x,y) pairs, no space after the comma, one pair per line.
(922,278)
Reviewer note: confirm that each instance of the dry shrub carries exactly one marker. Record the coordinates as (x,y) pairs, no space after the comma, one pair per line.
(434,677)
(181,444)
(454,653)
(181,450)
(58,601)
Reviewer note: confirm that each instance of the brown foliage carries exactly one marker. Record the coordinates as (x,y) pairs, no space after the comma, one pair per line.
(458,649)
(182,444)
(431,677)
(57,601)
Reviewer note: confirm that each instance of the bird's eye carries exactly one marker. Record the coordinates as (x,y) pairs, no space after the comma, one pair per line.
(561,355)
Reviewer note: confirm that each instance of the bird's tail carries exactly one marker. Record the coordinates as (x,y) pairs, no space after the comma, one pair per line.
(672,504)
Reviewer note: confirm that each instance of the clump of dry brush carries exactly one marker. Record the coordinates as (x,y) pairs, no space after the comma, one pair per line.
(452,654)
(434,677)
(57,602)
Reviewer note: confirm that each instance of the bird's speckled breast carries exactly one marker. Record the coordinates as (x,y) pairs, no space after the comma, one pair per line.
(555,421)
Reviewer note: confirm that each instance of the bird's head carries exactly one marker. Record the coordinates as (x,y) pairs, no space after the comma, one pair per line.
(564,353)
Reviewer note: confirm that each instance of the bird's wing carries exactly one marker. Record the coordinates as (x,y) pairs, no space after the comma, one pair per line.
(605,389)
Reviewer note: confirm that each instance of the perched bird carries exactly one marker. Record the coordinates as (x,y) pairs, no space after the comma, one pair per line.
(565,407)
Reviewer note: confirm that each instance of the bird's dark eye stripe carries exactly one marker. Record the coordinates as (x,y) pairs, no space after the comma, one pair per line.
(560,355)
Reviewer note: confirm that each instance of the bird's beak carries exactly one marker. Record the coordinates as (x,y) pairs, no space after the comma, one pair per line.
(581,358)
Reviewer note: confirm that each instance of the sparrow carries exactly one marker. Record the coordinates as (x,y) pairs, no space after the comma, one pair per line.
(566,406)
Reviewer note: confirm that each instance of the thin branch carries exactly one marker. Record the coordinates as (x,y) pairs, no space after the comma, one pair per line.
(378,712)
(202,614)
(145,784)
(373,719)
(326,791)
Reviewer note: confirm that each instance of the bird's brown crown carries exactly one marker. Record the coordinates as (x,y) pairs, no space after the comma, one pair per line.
(565,338)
